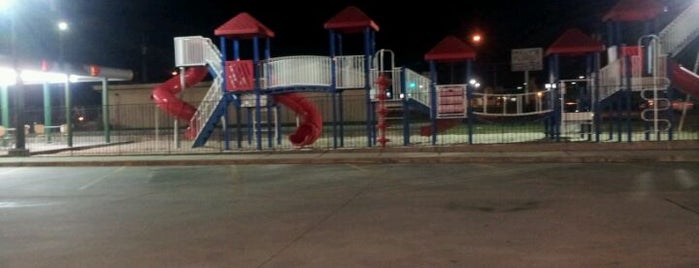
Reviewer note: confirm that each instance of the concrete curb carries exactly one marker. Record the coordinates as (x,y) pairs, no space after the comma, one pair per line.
(359,158)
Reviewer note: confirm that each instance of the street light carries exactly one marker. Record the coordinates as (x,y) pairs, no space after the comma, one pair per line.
(63,28)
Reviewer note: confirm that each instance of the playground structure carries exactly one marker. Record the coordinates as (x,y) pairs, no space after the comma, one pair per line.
(261,84)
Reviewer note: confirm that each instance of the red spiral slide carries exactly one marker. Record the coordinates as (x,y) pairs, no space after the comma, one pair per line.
(311,125)
(164,96)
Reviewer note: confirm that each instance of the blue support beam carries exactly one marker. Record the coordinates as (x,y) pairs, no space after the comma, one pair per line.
(433,101)
(469,97)
(367,85)
(258,92)
(333,86)
(406,109)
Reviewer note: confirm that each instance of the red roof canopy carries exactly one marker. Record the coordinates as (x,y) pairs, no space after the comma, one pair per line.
(634,10)
(351,19)
(574,42)
(451,49)
(243,26)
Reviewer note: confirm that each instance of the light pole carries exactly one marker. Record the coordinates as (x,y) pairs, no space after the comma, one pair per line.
(63,28)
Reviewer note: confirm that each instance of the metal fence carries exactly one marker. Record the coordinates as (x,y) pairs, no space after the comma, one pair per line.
(144,129)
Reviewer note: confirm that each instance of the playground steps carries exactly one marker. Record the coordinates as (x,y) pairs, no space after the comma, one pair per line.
(395,110)
(210,125)
(679,33)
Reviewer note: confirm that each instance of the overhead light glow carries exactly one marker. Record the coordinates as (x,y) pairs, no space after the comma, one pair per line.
(63,26)
(6,5)
(37,77)
(8,77)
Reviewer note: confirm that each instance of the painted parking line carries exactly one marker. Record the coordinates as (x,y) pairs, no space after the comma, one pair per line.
(99,179)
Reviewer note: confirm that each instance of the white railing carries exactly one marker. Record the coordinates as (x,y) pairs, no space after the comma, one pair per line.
(197,51)
(657,79)
(417,87)
(296,71)
(681,31)
(393,90)
(612,77)
(207,106)
(212,56)
(350,71)
(520,104)
(609,79)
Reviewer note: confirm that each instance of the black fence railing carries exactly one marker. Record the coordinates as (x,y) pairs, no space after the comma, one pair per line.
(145,129)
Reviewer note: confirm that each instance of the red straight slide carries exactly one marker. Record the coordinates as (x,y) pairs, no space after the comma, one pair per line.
(685,80)
(311,125)
(164,96)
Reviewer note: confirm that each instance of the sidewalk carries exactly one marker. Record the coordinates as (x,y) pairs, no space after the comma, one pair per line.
(641,152)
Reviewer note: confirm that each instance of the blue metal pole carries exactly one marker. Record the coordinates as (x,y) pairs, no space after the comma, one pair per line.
(279,127)
(557,116)
(340,52)
(617,34)
(433,101)
(236,49)
(251,125)
(258,93)
(341,107)
(596,105)
(627,98)
(270,137)
(668,112)
(552,93)
(367,85)
(406,109)
(270,128)
(469,97)
(238,121)
(612,117)
(224,88)
(610,33)
(333,85)
(373,108)
(238,110)
(339,96)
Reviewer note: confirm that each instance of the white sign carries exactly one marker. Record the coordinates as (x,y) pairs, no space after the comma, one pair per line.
(527,59)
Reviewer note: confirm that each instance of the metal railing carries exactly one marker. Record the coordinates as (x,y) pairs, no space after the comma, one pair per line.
(610,79)
(296,71)
(197,51)
(681,31)
(213,56)
(350,71)
(393,91)
(207,106)
(418,87)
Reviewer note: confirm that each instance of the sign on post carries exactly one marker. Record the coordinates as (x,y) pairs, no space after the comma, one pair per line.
(527,59)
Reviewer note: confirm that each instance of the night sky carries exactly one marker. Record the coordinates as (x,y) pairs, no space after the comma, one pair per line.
(115,33)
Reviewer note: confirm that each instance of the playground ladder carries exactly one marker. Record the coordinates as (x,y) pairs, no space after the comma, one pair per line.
(681,31)
(660,81)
